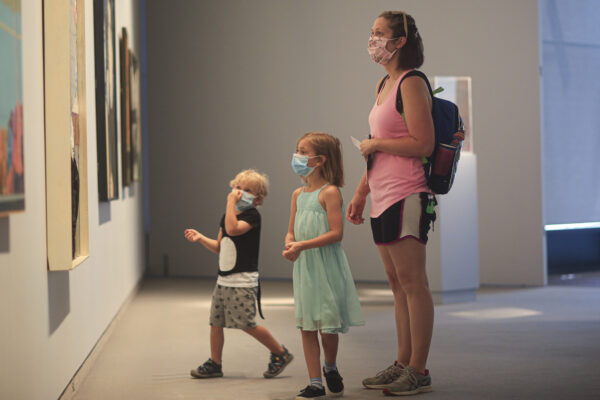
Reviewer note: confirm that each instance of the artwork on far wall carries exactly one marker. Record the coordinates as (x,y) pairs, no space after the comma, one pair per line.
(135,117)
(12,174)
(66,143)
(106,99)
(126,153)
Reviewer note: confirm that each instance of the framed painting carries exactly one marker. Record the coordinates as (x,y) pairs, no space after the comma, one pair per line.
(126,148)
(458,90)
(135,117)
(106,99)
(65,132)
(12,174)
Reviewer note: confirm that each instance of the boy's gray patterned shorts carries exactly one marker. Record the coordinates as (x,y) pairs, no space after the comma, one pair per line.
(233,307)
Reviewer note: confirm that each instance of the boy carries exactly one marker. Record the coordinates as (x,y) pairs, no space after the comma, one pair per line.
(235,294)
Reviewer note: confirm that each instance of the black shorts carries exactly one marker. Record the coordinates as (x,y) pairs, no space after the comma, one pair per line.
(410,217)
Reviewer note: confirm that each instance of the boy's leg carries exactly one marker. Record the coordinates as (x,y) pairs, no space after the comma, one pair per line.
(217,341)
(261,334)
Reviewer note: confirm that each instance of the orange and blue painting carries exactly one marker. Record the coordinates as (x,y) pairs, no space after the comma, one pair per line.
(12,182)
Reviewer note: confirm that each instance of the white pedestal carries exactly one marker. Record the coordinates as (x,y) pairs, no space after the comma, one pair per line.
(453,247)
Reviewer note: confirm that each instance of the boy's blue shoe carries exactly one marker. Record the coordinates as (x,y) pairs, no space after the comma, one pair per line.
(278,363)
(209,369)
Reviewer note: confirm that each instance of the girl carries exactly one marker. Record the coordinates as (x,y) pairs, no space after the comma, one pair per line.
(324,294)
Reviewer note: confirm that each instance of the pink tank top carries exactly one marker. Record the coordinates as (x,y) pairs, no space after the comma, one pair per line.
(391,178)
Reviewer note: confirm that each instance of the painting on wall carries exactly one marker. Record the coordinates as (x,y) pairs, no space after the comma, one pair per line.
(135,117)
(12,174)
(106,99)
(458,90)
(126,148)
(66,140)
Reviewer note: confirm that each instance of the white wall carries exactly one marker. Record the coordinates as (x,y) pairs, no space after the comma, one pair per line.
(50,321)
(233,84)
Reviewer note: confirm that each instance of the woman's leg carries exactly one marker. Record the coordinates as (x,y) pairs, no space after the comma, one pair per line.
(312,353)
(408,257)
(217,340)
(400,308)
(330,342)
(261,334)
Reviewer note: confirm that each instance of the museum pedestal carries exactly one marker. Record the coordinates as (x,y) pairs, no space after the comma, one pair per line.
(453,247)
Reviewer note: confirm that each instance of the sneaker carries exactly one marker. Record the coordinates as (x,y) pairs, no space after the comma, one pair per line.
(410,382)
(278,363)
(334,383)
(311,392)
(209,369)
(384,378)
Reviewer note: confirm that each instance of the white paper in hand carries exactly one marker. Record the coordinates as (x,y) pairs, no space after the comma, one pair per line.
(356,142)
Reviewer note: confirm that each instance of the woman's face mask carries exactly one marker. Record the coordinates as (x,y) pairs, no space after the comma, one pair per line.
(246,202)
(378,49)
(300,165)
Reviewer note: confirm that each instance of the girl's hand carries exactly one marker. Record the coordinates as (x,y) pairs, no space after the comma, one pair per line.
(367,147)
(292,250)
(355,209)
(192,235)
(234,196)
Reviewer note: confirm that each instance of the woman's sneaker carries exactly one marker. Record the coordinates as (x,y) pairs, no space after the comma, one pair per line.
(278,363)
(311,392)
(334,383)
(385,377)
(410,382)
(209,369)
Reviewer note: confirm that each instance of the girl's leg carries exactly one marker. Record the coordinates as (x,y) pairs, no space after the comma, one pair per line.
(261,334)
(312,353)
(217,340)
(330,342)
(400,308)
(408,257)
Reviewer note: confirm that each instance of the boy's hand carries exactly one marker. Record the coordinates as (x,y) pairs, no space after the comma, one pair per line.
(234,196)
(192,235)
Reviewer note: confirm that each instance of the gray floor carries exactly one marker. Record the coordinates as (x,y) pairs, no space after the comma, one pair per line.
(540,343)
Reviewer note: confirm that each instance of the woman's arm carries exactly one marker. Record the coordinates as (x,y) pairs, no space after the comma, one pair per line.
(417,111)
(357,204)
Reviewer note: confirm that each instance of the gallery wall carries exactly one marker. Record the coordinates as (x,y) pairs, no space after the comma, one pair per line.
(233,84)
(50,321)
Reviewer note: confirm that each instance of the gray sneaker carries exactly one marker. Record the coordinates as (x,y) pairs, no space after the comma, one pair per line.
(410,382)
(384,378)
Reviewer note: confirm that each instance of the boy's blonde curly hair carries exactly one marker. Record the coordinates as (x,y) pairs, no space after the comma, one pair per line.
(257,181)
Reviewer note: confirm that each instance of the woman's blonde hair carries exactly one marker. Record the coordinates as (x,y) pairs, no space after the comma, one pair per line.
(329,146)
(257,181)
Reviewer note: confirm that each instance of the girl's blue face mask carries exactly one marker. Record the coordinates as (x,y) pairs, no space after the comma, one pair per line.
(245,202)
(300,165)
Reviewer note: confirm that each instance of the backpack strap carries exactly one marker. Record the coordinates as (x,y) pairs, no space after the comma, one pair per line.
(399,105)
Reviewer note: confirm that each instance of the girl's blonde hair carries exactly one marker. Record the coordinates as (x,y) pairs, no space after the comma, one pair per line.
(257,181)
(329,146)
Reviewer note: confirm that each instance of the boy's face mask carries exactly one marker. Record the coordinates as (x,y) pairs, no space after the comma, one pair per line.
(300,165)
(245,202)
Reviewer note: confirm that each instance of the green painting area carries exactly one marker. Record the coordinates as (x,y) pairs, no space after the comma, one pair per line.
(11,121)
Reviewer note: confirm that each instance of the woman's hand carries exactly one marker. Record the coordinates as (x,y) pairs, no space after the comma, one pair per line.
(367,147)
(355,209)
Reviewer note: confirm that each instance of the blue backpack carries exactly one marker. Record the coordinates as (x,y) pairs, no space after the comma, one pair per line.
(440,166)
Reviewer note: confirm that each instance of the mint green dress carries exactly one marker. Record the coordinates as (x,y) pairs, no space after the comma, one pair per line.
(325,297)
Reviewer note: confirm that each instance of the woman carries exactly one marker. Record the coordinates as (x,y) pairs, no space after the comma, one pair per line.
(400,197)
